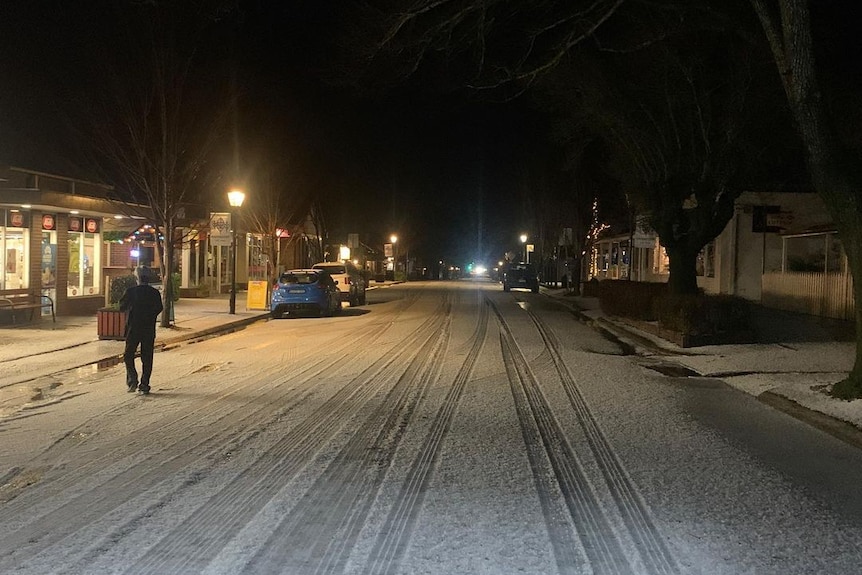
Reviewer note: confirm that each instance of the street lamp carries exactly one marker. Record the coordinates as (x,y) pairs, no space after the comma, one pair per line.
(394,239)
(524,241)
(235,198)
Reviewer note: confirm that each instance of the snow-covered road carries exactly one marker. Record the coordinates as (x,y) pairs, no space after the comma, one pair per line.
(443,428)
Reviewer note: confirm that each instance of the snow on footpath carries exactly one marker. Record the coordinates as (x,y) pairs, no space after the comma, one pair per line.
(794,376)
(33,356)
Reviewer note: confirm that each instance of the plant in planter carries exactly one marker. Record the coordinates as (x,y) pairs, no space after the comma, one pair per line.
(111,322)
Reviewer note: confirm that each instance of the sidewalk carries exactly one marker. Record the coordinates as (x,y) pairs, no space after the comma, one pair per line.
(792,372)
(193,318)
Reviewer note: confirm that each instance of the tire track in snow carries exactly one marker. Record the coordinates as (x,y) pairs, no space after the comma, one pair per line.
(391,545)
(222,410)
(650,544)
(546,444)
(92,505)
(203,533)
(119,448)
(320,532)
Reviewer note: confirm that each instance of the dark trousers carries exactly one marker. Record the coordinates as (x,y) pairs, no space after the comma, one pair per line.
(147,341)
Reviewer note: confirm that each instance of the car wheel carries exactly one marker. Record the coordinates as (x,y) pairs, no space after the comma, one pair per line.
(275,315)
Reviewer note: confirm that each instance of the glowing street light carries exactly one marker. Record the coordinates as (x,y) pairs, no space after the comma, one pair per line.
(524,241)
(394,240)
(235,198)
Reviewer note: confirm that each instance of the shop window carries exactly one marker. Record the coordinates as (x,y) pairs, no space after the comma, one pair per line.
(14,258)
(814,253)
(48,261)
(84,264)
(257,260)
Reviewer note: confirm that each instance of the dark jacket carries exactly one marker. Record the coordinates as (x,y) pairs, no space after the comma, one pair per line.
(142,304)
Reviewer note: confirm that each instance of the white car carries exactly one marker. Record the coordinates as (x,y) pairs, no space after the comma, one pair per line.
(351,282)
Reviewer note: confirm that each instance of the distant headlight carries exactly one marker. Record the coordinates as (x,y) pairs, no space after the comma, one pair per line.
(480,270)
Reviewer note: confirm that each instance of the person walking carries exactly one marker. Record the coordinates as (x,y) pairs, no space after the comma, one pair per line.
(142,304)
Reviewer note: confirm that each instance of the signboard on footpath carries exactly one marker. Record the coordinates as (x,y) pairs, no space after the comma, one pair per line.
(256,298)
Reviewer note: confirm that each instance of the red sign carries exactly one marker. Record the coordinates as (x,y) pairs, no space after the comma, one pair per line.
(76,224)
(92,225)
(49,222)
(17,220)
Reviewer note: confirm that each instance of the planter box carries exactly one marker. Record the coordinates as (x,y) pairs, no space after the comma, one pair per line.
(111,323)
(193,292)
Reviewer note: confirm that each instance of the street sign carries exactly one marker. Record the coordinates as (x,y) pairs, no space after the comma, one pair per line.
(781,220)
(220,229)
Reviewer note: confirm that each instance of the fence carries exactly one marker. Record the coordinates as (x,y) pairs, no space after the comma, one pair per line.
(823,294)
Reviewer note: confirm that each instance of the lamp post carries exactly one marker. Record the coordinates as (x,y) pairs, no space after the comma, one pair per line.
(524,241)
(235,197)
(394,239)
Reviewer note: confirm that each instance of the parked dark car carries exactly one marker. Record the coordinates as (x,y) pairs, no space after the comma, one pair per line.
(520,275)
(305,292)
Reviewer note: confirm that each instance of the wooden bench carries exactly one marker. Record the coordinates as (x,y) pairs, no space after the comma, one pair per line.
(17,302)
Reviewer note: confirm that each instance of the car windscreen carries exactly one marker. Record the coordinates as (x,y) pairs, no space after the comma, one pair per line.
(336,269)
(299,277)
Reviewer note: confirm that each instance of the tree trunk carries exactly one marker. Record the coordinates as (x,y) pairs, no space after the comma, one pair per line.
(167,283)
(788,30)
(683,275)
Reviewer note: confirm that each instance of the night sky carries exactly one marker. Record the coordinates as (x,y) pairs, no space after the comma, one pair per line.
(439,164)
(428,161)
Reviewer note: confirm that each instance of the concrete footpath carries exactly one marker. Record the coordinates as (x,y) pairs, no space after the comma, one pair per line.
(193,318)
(792,372)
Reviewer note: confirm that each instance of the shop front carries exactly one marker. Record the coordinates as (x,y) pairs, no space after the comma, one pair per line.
(52,238)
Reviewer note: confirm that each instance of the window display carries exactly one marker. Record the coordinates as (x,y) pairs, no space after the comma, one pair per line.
(14,260)
(84,264)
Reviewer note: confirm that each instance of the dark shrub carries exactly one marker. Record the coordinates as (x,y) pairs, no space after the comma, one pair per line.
(119,285)
(592,288)
(630,299)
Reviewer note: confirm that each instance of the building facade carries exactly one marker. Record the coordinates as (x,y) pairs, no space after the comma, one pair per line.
(778,249)
(52,231)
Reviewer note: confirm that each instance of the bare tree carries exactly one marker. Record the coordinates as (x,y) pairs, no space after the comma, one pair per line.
(788,28)
(676,116)
(487,44)
(277,207)
(156,123)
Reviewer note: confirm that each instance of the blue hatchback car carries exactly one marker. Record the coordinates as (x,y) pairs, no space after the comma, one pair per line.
(305,292)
